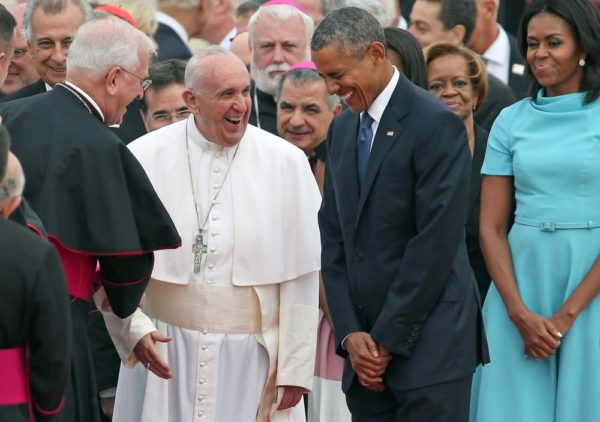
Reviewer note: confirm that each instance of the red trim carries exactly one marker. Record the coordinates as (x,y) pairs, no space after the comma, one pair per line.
(46,412)
(14,388)
(36,230)
(129,283)
(129,253)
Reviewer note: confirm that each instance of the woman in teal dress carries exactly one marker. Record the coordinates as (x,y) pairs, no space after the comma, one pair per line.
(542,315)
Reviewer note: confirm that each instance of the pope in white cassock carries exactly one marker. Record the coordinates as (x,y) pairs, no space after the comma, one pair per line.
(228,329)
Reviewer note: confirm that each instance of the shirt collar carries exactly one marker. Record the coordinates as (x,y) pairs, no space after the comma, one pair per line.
(499,51)
(86,96)
(226,42)
(378,106)
(172,23)
(201,141)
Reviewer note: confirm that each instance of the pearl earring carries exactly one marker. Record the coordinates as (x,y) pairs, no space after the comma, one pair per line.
(581,62)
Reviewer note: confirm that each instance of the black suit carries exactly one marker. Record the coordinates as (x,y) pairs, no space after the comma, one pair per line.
(35,88)
(394,259)
(475,256)
(499,97)
(264,110)
(170,45)
(517,79)
(35,316)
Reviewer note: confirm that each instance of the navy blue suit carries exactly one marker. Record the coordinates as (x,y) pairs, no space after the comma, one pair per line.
(516,80)
(394,259)
(170,45)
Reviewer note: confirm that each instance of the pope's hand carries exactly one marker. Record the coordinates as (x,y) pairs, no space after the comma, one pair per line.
(291,396)
(145,351)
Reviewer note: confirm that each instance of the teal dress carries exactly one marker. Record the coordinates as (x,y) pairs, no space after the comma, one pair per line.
(551,146)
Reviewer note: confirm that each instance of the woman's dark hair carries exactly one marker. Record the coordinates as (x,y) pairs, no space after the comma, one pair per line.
(410,53)
(584,20)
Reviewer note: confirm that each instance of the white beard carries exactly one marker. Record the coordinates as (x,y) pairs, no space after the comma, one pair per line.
(262,79)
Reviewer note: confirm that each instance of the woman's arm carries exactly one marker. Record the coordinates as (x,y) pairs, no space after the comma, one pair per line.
(579,299)
(540,336)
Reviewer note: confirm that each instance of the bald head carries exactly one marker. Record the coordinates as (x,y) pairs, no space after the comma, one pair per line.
(240,46)
(11,186)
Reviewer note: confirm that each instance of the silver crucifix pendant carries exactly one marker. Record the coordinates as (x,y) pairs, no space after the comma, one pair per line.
(198,249)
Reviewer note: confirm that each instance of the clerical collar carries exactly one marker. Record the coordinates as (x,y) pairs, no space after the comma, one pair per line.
(86,97)
(200,140)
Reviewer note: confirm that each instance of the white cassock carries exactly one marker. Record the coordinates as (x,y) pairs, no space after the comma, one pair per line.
(262,239)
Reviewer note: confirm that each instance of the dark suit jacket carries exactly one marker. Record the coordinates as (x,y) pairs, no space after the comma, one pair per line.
(90,192)
(35,88)
(170,45)
(394,259)
(34,313)
(473,248)
(132,126)
(267,110)
(499,97)
(517,82)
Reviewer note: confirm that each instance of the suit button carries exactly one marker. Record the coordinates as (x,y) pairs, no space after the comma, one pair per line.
(360,308)
(359,256)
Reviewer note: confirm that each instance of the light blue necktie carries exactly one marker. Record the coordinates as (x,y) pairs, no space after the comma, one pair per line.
(365,136)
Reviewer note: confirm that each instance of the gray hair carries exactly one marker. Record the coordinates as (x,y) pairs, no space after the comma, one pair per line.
(280,13)
(51,7)
(103,43)
(328,6)
(194,74)
(351,29)
(11,186)
(375,8)
(306,77)
(184,4)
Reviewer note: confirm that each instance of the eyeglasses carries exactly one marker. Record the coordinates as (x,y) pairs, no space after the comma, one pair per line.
(20,52)
(144,82)
(170,117)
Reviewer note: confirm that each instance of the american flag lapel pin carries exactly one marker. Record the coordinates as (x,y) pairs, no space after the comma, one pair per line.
(390,133)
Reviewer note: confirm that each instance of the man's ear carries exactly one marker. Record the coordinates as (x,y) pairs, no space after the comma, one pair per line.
(377,52)
(191,101)
(337,109)
(111,80)
(11,205)
(457,34)
(490,8)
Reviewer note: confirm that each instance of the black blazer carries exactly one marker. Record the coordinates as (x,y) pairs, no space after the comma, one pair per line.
(34,313)
(35,88)
(473,248)
(394,259)
(517,80)
(170,45)
(499,97)
(267,110)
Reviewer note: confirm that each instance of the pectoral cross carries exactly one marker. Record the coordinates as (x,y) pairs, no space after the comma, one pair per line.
(198,249)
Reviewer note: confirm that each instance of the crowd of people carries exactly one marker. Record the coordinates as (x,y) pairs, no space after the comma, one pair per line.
(330,211)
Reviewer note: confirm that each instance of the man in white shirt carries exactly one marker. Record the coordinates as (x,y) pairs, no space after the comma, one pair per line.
(498,48)
(239,299)
(180,20)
